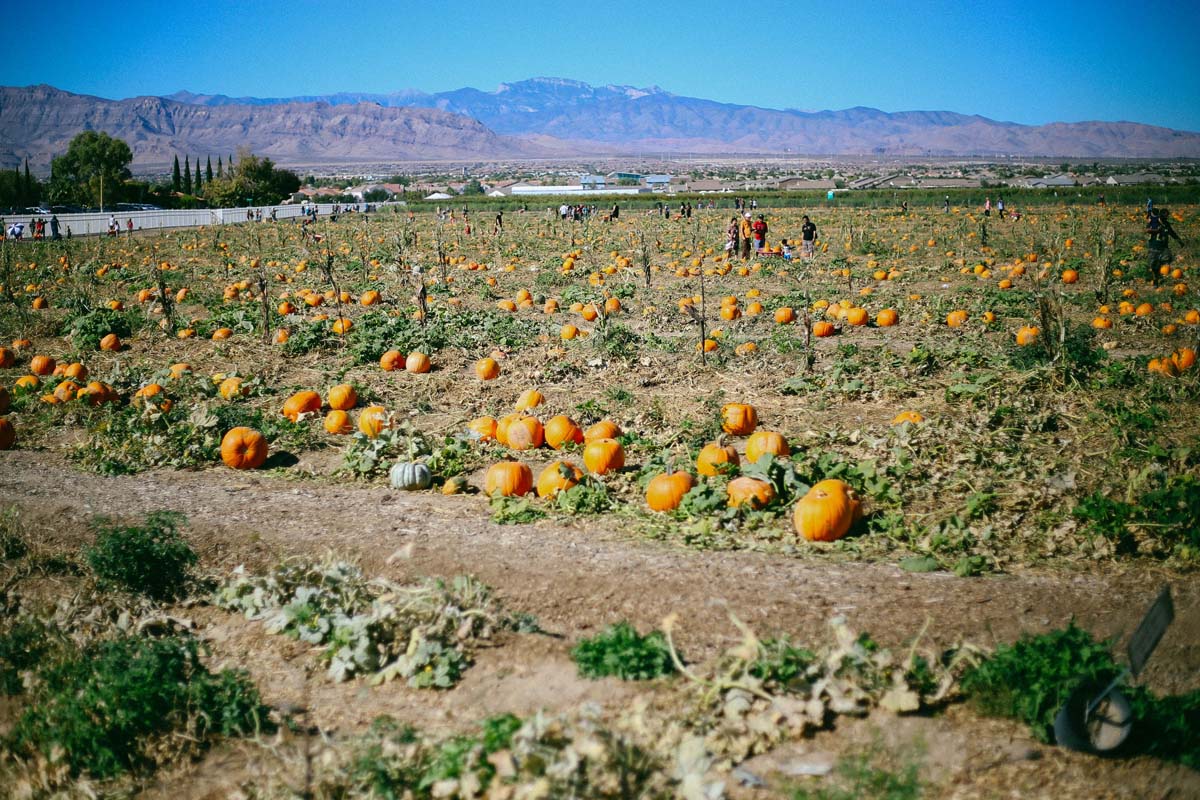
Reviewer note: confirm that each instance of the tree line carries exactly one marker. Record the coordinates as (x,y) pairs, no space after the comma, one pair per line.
(94,172)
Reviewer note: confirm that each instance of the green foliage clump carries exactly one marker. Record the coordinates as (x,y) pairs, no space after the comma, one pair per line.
(24,645)
(375,332)
(621,651)
(781,663)
(88,329)
(1031,680)
(1169,510)
(150,559)
(103,709)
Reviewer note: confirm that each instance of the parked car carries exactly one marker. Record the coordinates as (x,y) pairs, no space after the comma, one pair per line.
(66,209)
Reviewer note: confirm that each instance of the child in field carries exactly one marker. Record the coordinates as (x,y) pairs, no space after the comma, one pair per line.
(787,249)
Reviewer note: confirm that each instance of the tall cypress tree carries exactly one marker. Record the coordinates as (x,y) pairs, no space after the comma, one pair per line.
(176,178)
(187,175)
(27,188)
(208,170)
(199,179)
(220,168)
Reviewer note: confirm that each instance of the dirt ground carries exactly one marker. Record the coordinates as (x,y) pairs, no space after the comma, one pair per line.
(578,578)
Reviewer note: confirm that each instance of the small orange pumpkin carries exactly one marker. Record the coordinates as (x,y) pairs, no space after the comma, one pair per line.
(391,361)
(826,513)
(562,430)
(486,369)
(762,442)
(342,397)
(372,420)
(337,422)
(41,365)
(483,427)
(604,429)
(713,458)
(752,492)
(525,433)
(823,329)
(417,363)
(738,419)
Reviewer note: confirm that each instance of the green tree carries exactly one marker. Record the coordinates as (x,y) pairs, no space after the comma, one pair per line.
(220,168)
(199,179)
(92,171)
(208,173)
(474,187)
(187,175)
(176,177)
(252,180)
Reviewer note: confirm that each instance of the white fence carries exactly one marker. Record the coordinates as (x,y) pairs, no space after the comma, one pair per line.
(97,223)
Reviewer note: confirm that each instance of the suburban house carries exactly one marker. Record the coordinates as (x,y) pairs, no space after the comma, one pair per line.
(593,181)
(657,183)
(1059,181)
(1135,179)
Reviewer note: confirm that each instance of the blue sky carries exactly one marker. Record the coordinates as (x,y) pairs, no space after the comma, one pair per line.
(1030,62)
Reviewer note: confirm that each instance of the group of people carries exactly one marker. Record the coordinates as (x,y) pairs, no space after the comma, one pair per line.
(37,225)
(746,232)
(114,226)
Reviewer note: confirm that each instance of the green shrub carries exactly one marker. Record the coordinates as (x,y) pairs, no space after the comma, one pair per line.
(103,709)
(621,651)
(24,645)
(150,559)
(1032,679)
(88,329)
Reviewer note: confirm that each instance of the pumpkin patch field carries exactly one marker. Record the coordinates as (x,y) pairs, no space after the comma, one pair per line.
(594,509)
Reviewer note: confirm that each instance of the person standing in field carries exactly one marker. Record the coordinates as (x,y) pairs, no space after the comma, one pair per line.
(1159,232)
(745,234)
(760,234)
(808,238)
(946,205)
(731,236)
(1000,207)
(987,207)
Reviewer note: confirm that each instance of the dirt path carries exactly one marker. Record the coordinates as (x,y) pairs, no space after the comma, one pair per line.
(577,579)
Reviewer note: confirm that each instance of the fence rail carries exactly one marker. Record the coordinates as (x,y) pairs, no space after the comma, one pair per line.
(96,223)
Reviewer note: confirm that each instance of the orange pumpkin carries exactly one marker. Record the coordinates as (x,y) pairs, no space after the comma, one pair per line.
(666,491)
(110,343)
(785,315)
(484,428)
(391,361)
(369,298)
(343,397)
(857,316)
(306,402)
(231,388)
(337,422)
(1027,335)
(530,398)
(41,365)
(887,318)
(525,433)
(508,479)
(562,430)
(558,477)
(76,371)
(762,442)
(604,429)
(372,420)
(911,417)
(752,492)
(7,358)
(603,455)
(823,329)
(713,458)
(486,369)
(243,448)
(1070,276)
(417,363)
(826,513)
(738,419)
(956,319)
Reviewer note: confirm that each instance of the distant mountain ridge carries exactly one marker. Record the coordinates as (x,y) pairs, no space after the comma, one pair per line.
(653,120)
(37,122)
(535,118)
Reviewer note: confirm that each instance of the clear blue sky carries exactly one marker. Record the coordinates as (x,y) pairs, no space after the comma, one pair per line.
(1030,62)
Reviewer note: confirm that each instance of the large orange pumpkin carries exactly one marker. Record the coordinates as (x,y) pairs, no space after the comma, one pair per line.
(483,427)
(822,329)
(231,388)
(738,419)
(558,477)
(603,455)
(243,448)
(666,491)
(486,369)
(530,398)
(306,402)
(785,315)
(826,513)
(508,478)
(887,318)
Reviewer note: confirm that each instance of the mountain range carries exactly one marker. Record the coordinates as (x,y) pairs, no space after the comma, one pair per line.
(535,118)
